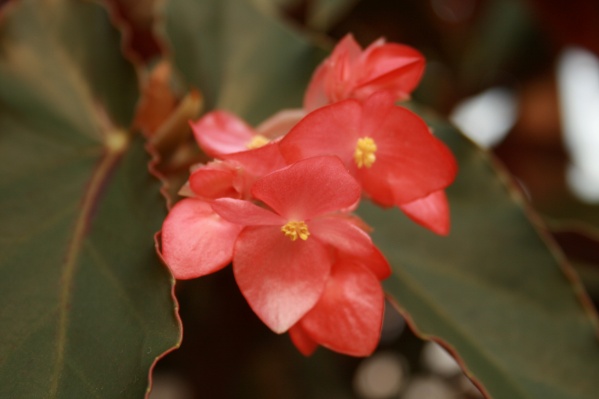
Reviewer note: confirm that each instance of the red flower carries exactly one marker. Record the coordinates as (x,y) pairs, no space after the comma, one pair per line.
(283,256)
(352,73)
(389,149)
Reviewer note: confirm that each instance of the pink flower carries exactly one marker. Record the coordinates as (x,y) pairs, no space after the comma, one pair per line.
(352,73)
(282,258)
(389,150)
(220,132)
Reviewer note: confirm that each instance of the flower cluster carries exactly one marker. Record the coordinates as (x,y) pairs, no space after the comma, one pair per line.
(277,200)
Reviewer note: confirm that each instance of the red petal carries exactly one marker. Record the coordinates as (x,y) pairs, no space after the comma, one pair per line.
(281,279)
(331,130)
(411,161)
(260,161)
(377,264)
(351,242)
(390,66)
(214,180)
(341,234)
(431,212)
(220,132)
(302,340)
(308,188)
(334,78)
(246,213)
(195,240)
(349,315)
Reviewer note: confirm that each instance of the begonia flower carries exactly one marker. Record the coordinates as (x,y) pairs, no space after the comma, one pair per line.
(221,132)
(348,316)
(283,256)
(350,72)
(389,149)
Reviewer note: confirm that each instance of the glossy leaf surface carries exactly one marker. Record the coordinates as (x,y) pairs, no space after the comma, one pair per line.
(86,304)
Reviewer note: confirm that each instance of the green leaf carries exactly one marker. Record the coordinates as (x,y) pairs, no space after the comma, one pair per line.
(86,305)
(494,291)
(242,58)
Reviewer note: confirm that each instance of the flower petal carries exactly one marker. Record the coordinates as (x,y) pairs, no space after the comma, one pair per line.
(431,212)
(245,213)
(195,240)
(215,180)
(302,340)
(351,242)
(341,234)
(349,315)
(281,279)
(308,188)
(259,161)
(280,123)
(331,130)
(391,67)
(220,132)
(412,161)
(334,78)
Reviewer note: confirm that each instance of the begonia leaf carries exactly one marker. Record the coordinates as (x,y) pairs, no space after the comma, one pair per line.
(495,292)
(87,306)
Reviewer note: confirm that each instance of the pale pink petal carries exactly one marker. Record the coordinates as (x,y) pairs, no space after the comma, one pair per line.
(308,188)
(431,212)
(280,123)
(220,132)
(302,340)
(246,213)
(348,316)
(281,279)
(195,240)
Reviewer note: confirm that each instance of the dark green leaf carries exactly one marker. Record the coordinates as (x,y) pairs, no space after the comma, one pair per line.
(86,304)
(240,57)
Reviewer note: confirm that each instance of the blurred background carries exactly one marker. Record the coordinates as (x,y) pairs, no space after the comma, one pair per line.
(519,77)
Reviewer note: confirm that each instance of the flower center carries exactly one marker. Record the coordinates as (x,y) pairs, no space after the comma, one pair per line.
(294,229)
(364,154)
(257,141)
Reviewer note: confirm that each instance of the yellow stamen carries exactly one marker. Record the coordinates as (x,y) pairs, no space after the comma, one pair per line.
(293,230)
(365,150)
(257,141)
